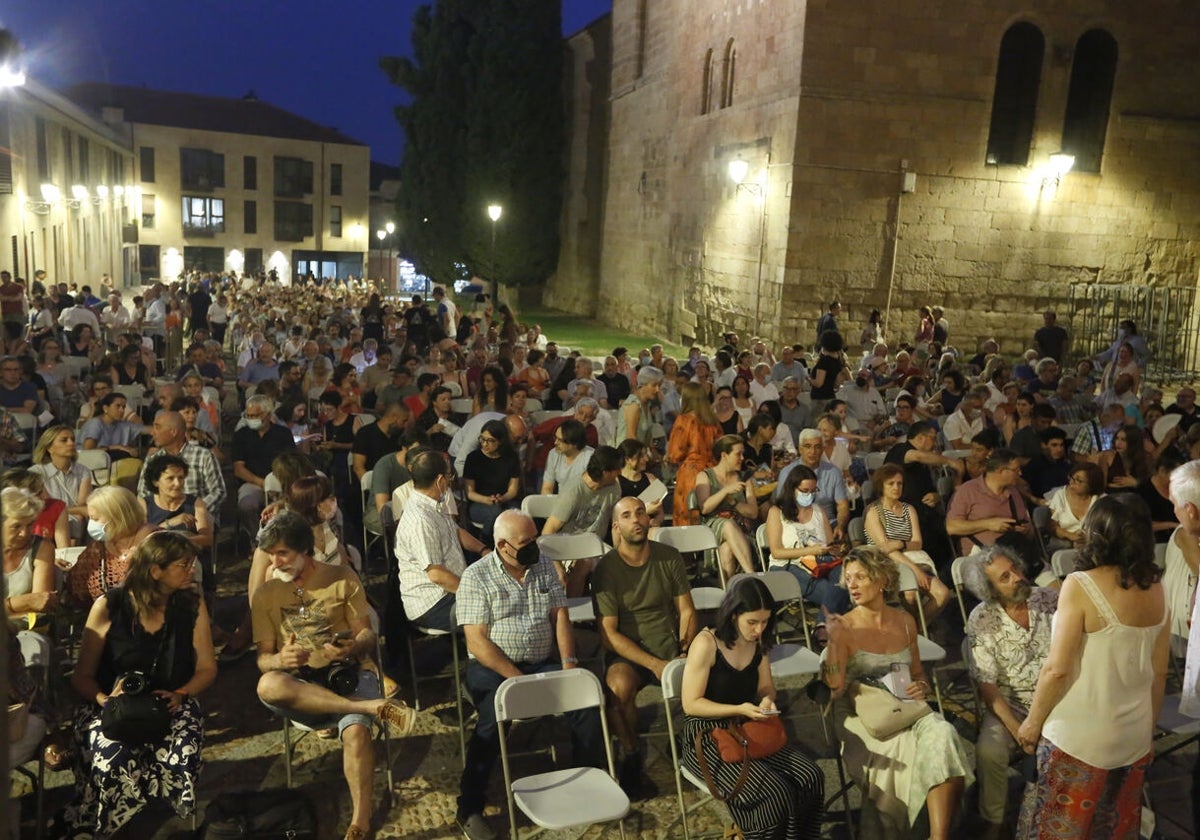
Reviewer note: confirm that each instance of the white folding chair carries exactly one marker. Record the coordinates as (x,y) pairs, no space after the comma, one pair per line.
(133,394)
(28,425)
(454,388)
(927,649)
(539,507)
(462,405)
(370,536)
(1160,555)
(366,419)
(272,489)
(672,685)
(956,576)
(532,404)
(559,798)
(543,415)
(707,597)
(858,531)
(874,460)
(431,633)
(687,539)
(98,461)
(567,549)
(1064,561)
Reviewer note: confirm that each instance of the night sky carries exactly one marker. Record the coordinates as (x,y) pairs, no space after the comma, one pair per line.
(314,57)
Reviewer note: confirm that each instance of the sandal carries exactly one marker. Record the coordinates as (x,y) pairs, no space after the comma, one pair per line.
(58,751)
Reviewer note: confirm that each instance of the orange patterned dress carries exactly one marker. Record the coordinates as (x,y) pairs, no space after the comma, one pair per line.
(690,446)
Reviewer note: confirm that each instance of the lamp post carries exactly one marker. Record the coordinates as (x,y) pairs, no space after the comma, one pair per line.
(385,233)
(494,212)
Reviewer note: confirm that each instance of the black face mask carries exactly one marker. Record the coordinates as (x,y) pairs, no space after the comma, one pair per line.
(529,553)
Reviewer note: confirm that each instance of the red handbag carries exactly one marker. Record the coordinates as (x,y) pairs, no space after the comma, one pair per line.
(740,743)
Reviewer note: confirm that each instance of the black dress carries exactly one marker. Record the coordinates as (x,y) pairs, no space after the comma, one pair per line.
(784,794)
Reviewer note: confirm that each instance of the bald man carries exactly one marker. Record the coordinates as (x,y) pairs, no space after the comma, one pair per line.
(204,479)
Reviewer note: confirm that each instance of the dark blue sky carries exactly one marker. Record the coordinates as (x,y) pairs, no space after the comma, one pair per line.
(314,57)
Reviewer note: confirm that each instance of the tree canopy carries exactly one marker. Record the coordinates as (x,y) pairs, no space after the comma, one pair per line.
(485,126)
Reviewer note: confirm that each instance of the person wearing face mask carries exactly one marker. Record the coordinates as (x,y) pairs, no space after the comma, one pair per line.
(429,553)
(513,613)
(116,526)
(255,446)
(800,538)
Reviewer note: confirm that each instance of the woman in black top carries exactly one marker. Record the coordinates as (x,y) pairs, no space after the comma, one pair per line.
(633,480)
(154,624)
(727,415)
(727,677)
(372,319)
(830,371)
(492,475)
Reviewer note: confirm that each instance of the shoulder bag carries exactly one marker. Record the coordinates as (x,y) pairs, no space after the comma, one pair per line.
(882,713)
(739,743)
(141,718)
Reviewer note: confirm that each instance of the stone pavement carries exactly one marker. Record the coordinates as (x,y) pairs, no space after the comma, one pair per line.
(244,751)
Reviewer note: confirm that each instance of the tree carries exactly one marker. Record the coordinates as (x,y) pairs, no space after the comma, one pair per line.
(485,126)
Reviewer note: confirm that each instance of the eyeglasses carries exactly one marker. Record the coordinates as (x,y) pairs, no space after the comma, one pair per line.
(484,439)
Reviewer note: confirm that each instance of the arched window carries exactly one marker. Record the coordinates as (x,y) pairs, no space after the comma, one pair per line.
(1014,102)
(728,68)
(640,63)
(706,90)
(1085,123)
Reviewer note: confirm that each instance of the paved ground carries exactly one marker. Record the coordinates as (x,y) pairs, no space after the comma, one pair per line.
(244,751)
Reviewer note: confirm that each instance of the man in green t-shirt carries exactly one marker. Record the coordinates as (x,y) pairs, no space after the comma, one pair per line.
(641,589)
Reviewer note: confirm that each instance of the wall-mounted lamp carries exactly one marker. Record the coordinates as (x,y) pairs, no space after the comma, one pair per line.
(738,170)
(1060,165)
(51,193)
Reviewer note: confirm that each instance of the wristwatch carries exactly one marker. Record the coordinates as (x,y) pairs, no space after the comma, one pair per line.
(570,660)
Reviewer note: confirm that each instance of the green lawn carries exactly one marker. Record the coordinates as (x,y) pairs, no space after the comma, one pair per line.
(592,338)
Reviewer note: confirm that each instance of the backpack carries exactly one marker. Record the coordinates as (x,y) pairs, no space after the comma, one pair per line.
(261,814)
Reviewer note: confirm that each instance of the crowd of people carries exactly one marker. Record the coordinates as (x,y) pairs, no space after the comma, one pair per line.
(340,416)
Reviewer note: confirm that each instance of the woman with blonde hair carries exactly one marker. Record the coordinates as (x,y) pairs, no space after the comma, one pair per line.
(690,446)
(28,569)
(57,459)
(116,525)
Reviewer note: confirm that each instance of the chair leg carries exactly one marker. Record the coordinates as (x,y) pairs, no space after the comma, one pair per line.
(287,750)
(412,670)
(458,702)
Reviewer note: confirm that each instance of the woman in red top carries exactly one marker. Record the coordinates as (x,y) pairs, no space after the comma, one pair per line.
(51,523)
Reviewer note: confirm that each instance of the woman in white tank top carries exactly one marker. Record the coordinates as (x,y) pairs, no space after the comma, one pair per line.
(1101,689)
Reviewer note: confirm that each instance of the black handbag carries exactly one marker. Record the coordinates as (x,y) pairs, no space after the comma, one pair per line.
(262,814)
(141,717)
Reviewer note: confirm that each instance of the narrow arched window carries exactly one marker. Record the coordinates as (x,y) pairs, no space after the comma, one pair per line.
(1085,123)
(706,90)
(640,64)
(728,69)
(1014,102)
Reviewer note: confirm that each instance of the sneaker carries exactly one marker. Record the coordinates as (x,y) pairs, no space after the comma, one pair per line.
(475,828)
(399,715)
(390,687)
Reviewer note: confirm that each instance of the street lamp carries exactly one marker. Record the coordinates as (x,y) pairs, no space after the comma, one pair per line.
(494,212)
(385,233)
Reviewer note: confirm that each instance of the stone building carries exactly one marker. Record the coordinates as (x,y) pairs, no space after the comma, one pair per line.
(237,184)
(891,154)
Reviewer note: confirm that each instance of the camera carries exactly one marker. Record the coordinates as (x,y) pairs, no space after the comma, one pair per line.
(339,677)
(134,683)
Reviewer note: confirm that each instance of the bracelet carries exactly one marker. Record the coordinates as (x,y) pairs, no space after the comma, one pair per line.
(570,660)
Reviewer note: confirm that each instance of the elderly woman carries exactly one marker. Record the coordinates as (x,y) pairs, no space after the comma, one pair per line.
(156,625)
(28,569)
(635,420)
(1108,656)
(117,525)
(921,767)
(67,480)
(728,505)
(51,523)
(169,508)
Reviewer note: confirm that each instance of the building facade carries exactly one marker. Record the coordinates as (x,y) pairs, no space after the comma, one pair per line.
(238,184)
(892,155)
(65,191)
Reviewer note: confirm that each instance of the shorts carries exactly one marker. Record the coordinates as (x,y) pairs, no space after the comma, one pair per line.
(644,674)
(368,689)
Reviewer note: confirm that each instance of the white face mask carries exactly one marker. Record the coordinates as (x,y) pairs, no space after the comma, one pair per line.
(805,500)
(254,423)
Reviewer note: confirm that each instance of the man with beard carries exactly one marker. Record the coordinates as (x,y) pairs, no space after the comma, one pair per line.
(647,618)
(309,618)
(1009,637)
(512,611)
(377,439)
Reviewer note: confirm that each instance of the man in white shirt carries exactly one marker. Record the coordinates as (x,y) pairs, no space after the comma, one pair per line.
(967,420)
(447,312)
(115,318)
(429,555)
(79,314)
(1185,495)
(725,372)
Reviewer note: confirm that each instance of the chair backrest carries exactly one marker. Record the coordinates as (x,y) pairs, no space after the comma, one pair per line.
(567,547)
(364,483)
(1064,562)
(858,531)
(956,576)
(532,405)
(782,585)
(1160,555)
(687,538)
(764,545)
(366,419)
(454,388)
(672,679)
(874,460)
(548,693)
(1041,518)
(957,454)
(543,415)
(707,597)
(98,461)
(272,489)
(462,405)
(867,491)
(539,506)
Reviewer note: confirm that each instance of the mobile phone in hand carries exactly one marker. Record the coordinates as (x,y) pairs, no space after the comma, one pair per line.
(768,711)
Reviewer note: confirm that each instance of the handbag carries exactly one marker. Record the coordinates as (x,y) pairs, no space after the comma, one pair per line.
(265,814)
(882,713)
(820,565)
(739,743)
(141,718)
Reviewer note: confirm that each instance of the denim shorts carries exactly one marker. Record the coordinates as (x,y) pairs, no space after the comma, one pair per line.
(368,689)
